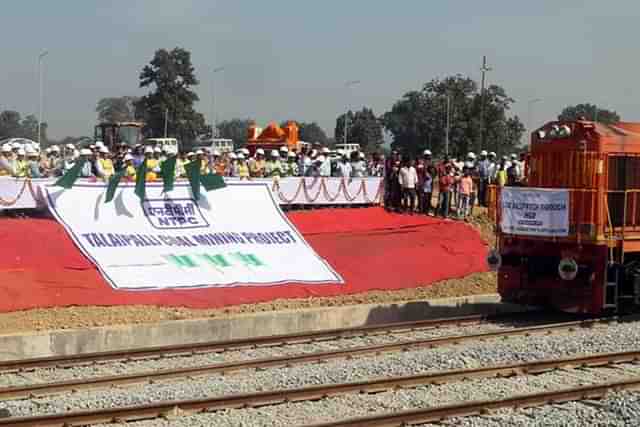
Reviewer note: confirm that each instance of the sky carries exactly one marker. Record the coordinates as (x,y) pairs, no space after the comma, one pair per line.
(286,59)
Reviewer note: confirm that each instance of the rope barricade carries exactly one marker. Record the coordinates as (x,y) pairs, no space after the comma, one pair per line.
(26,185)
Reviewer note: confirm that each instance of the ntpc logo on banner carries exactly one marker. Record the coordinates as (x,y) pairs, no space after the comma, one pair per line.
(171,214)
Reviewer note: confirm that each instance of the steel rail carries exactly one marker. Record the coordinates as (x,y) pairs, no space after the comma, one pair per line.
(441,413)
(35,390)
(244,343)
(324,391)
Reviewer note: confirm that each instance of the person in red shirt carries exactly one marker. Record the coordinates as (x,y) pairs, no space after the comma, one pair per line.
(445,185)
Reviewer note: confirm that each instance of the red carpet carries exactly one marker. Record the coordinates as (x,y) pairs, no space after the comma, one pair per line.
(372,249)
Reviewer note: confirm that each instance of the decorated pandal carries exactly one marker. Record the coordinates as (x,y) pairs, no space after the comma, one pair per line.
(25,193)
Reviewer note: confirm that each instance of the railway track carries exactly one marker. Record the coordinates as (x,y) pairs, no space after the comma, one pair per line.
(39,390)
(240,344)
(187,407)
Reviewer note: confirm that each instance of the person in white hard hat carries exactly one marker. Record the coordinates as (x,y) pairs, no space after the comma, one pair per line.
(243,168)
(325,165)
(273,167)
(33,162)
(84,155)
(291,168)
(104,164)
(304,161)
(232,167)
(284,151)
(129,168)
(152,164)
(7,163)
(314,169)
(258,164)
(21,165)
(358,165)
(344,169)
(483,177)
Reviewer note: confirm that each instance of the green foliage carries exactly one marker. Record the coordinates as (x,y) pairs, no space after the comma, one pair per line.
(120,109)
(589,112)
(418,120)
(13,126)
(363,127)
(235,129)
(170,76)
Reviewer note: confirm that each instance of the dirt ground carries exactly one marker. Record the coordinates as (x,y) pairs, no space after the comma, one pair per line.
(82,317)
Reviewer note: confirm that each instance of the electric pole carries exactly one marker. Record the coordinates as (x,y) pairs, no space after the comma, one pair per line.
(485,68)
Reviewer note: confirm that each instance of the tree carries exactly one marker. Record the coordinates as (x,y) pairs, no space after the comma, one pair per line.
(235,129)
(118,109)
(170,76)
(13,126)
(589,112)
(363,128)
(418,121)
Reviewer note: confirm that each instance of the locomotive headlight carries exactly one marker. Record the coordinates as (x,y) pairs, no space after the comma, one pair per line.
(568,269)
(494,260)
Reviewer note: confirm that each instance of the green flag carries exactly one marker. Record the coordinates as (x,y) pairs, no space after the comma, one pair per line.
(212,182)
(141,183)
(69,178)
(114,180)
(193,173)
(168,172)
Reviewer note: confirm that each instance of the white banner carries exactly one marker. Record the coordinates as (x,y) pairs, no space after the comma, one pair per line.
(234,236)
(21,193)
(534,212)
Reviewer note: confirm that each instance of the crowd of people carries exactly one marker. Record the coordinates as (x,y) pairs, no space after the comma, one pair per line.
(19,160)
(456,184)
(411,185)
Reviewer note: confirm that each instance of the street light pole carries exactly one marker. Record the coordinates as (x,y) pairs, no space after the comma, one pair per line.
(214,124)
(485,68)
(530,115)
(447,129)
(346,115)
(41,94)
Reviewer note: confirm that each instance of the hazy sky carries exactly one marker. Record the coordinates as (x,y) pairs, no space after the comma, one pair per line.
(290,59)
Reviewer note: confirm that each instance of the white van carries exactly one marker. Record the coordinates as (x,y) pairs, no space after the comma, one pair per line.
(221,144)
(163,142)
(347,148)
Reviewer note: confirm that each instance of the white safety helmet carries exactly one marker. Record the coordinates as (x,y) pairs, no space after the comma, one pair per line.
(148,150)
(30,151)
(6,148)
(99,144)
(483,153)
(16,146)
(492,154)
(245,151)
(260,152)
(21,152)
(128,157)
(85,152)
(284,149)
(514,156)
(191,154)
(215,153)
(55,149)
(240,156)
(104,150)
(70,146)
(427,152)
(233,156)
(326,150)
(291,154)
(157,150)
(198,152)
(471,155)
(274,153)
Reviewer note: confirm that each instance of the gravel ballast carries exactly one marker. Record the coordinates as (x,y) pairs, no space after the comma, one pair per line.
(600,339)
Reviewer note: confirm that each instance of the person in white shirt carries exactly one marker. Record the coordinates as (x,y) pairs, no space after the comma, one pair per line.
(325,166)
(344,167)
(359,166)
(408,178)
